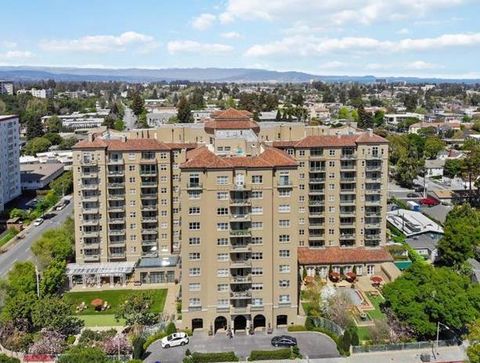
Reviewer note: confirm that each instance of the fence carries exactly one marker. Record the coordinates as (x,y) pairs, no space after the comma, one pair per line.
(328,325)
(402,346)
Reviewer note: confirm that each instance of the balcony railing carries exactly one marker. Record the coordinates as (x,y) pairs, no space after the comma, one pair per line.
(316,180)
(116,208)
(149,207)
(193,186)
(240,201)
(116,232)
(240,232)
(149,242)
(241,279)
(239,217)
(150,231)
(241,263)
(316,202)
(116,172)
(116,185)
(91,258)
(89,186)
(241,294)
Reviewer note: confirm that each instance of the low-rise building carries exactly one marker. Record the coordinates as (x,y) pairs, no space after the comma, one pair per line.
(161,116)
(38,176)
(434,167)
(6,87)
(394,119)
(425,245)
(38,93)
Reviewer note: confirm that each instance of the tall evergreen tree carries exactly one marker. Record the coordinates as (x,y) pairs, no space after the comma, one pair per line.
(137,104)
(184,113)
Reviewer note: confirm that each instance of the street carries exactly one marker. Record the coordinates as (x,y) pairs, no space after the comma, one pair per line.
(129,118)
(312,345)
(21,250)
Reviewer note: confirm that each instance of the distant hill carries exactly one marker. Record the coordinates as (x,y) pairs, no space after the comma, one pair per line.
(27,73)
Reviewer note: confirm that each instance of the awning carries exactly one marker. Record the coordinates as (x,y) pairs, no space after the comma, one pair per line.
(102,269)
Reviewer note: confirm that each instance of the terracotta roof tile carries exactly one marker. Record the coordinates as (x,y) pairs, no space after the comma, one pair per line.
(205,159)
(337,255)
(332,141)
(232,114)
(231,119)
(132,145)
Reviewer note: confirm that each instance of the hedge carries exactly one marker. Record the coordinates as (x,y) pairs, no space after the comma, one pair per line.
(211,357)
(296,328)
(285,353)
(6,359)
(153,338)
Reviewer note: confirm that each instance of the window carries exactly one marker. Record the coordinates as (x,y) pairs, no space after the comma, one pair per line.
(284,208)
(331,175)
(194,226)
(284,253)
(331,164)
(284,193)
(194,256)
(223,303)
(222,241)
(222,195)
(284,268)
(331,152)
(222,287)
(257,271)
(370,269)
(222,226)
(301,152)
(193,241)
(257,286)
(194,286)
(257,194)
(194,302)
(194,210)
(284,223)
(284,283)
(194,271)
(284,299)
(257,210)
(163,155)
(222,257)
(284,238)
(301,221)
(194,194)
(257,225)
(331,198)
(222,180)
(222,211)
(331,231)
(222,272)
(257,256)
(257,179)
(131,167)
(331,186)
(257,302)
(257,240)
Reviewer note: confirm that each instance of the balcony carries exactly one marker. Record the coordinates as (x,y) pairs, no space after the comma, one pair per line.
(146,184)
(116,232)
(317,168)
(316,226)
(118,196)
(119,243)
(347,201)
(149,219)
(149,231)
(149,242)
(316,180)
(245,263)
(347,179)
(149,196)
(149,207)
(317,238)
(116,185)
(91,246)
(316,202)
(89,186)
(148,172)
(241,279)
(372,237)
(348,156)
(240,217)
(116,208)
(240,202)
(348,191)
(284,183)
(241,294)
(116,220)
(90,210)
(115,161)
(87,234)
(373,201)
(347,236)
(194,186)
(91,258)
(88,161)
(90,222)
(240,233)
(238,248)
(90,198)
(116,172)
(150,254)
(373,177)
(316,191)
(241,187)
(117,255)
(89,174)
(347,213)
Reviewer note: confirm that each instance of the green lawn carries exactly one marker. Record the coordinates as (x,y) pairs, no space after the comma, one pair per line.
(376,301)
(362,332)
(7,236)
(114,298)
(101,320)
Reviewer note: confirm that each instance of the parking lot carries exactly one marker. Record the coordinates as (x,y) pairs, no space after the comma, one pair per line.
(312,345)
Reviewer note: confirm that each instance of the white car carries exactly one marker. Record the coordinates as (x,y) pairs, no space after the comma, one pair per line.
(174,340)
(38,221)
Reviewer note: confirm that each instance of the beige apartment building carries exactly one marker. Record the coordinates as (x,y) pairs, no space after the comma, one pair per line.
(232,208)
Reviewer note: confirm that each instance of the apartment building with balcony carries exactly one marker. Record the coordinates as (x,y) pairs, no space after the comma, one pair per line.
(10,187)
(242,206)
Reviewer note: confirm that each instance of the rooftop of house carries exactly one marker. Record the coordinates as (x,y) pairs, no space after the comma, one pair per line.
(338,255)
(38,172)
(412,223)
(424,241)
(333,140)
(7,117)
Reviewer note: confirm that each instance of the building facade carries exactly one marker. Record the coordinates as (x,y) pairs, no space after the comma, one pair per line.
(242,204)
(9,159)
(6,88)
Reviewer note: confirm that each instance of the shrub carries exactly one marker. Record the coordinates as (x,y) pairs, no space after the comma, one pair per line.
(153,338)
(171,328)
(187,331)
(285,353)
(309,323)
(135,361)
(296,328)
(211,357)
(138,350)
(6,359)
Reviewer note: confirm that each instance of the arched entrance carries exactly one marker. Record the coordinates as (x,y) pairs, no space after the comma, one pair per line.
(259,321)
(220,323)
(240,322)
(281,320)
(197,324)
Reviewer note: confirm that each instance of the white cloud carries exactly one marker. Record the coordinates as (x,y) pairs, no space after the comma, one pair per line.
(16,54)
(332,11)
(312,45)
(190,46)
(8,44)
(333,65)
(231,35)
(203,21)
(403,31)
(421,65)
(100,43)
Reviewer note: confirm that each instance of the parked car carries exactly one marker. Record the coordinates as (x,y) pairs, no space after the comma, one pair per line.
(429,202)
(412,195)
(284,341)
(38,221)
(174,340)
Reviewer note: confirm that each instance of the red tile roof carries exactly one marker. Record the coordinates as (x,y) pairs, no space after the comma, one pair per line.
(131,145)
(231,119)
(337,255)
(202,158)
(332,141)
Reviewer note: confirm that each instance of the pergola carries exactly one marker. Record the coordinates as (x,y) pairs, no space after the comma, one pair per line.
(93,273)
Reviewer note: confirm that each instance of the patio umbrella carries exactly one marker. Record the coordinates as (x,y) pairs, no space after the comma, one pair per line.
(376,279)
(96,302)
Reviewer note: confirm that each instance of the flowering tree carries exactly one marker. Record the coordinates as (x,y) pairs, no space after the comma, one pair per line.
(117,344)
(50,342)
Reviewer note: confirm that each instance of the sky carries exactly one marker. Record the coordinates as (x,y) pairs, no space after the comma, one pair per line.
(327,37)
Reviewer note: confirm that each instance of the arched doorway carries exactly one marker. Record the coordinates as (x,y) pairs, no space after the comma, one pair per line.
(220,323)
(240,322)
(259,321)
(197,324)
(281,320)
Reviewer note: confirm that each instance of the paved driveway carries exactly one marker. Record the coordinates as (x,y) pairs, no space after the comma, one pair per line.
(313,345)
